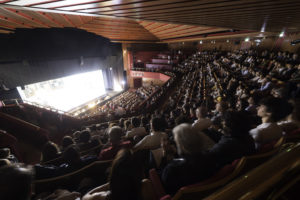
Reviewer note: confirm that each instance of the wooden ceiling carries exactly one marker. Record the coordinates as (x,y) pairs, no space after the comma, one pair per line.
(154,20)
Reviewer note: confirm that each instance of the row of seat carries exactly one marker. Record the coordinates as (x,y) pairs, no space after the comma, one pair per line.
(220,178)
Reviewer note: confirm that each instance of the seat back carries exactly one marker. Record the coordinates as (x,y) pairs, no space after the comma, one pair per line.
(70,181)
(202,189)
(293,136)
(157,185)
(92,151)
(263,155)
(57,161)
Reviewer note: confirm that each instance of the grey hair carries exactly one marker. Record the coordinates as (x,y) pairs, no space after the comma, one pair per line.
(188,140)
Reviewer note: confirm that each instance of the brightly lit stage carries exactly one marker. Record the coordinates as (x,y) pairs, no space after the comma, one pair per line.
(67,94)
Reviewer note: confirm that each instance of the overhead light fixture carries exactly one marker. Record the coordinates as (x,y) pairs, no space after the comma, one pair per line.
(247,39)
(281,34)
(200,42)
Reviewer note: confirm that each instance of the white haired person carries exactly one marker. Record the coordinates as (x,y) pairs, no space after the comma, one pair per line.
(193,166)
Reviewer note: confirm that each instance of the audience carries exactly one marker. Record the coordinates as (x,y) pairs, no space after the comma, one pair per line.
(114,144)
(125,180)
(194,163)
(50,152)
(136,130)
(270,112)
(225,105)
(236,141)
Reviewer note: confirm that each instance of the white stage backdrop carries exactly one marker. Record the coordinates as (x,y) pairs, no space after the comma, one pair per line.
(65,93)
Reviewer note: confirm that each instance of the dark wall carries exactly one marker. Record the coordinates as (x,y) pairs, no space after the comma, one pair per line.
(34,55)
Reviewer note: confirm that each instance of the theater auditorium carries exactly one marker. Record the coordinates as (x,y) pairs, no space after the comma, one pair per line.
(149,99)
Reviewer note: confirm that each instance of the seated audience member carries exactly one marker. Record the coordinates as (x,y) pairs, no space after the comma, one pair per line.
(74,161)
(202,122)
(84,140)
(115,143)
(9,141)
(137,130)
(292,121)
(4,162)
(50,152)
(266,85)
(270,112)
(66,141)
(76,135)
(221,108)
(153,140)
(5,154)
(236,141)
(125,180)
(16,184)
(193,166)
(253,103)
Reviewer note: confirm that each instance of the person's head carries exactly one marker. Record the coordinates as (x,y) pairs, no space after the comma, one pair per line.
(135,121)
(76,135)
(15,182)
(4,162)
(253,99)
(188,140)
(274,109)
(50,151)
(236,123)
(85,136)
(71,155)
(115,134)
(67,141)
(241,104)
(181,119)
(4,153)
(201,112)
(126,176)
(157,124)
(221,106)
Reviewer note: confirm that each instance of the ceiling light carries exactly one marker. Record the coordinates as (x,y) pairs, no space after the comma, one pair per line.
(247,39)
(281,34)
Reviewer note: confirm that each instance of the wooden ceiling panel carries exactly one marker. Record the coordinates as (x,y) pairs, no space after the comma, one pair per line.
(22,19)
(40,17)
(127,6)
(152,19)
(61,19)
(208,6)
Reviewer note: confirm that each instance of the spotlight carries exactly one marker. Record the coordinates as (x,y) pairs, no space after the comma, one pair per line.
(247,39)
(281,34)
